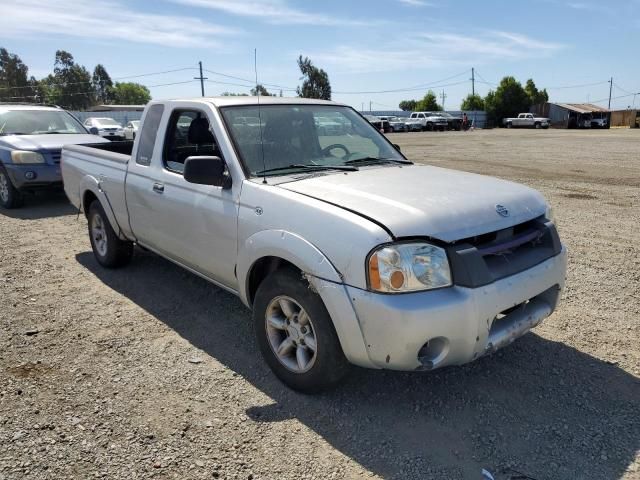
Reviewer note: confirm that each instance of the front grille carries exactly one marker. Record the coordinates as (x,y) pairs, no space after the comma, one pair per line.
(483,259)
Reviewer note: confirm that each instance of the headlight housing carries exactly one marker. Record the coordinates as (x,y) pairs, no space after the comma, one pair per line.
(549,214)
(26,157)
(408,267)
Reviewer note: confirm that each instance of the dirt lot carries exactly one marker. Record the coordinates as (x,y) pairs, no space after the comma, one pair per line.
(152,372)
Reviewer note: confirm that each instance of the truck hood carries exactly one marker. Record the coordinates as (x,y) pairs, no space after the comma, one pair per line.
(419,200)
(48,142)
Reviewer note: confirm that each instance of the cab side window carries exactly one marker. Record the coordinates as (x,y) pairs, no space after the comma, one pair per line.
(148,134)
(188,135)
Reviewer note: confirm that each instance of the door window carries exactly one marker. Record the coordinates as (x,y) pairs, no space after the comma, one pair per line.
(188,134)
(148,134)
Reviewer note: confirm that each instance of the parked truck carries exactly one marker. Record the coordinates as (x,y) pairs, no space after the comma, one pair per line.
(526,120)
(430,121)
(347,252)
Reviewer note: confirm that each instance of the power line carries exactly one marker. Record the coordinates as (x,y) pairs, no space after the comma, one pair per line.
(155,73)
(434,84)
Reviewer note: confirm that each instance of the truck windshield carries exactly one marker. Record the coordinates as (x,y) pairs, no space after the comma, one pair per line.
(295,137)
(37,122)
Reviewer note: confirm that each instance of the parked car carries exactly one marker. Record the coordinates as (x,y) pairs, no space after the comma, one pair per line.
(599,121)
(526,120)
(382,125)
(397,124)
(346,251)
(453,122)
(105,127)
(413,124)
(429,121)
(31,138)
(131,129)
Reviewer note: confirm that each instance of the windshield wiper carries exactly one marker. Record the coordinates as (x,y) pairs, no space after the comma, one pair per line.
(295,166)
(13,133)
(370,160)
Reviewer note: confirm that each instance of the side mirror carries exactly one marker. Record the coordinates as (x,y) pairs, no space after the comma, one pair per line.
(94,131)
(206,171)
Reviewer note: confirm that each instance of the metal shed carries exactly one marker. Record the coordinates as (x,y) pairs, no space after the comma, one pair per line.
(572,115)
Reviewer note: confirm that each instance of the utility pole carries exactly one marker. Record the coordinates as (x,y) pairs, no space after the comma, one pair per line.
(473,81)
(370,110)
(610,89)
(443,96)
(201,78)
(362,107)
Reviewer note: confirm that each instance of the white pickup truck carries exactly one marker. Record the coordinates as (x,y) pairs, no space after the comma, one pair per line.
(345,251)
(526,120)
(430,121)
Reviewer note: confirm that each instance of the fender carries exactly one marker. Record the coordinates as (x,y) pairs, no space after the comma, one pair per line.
(90,183)
(288,246)
(322,275)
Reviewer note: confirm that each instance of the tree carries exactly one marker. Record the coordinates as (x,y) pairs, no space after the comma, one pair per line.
(14,84)
(70,84)
(508,100)
(429,103)
(130,93)
(102,84)
(315,81)
(535,96)
(260,91)
(472,102)
(408,105)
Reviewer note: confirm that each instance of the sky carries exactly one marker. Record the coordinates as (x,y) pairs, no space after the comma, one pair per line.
(378,51)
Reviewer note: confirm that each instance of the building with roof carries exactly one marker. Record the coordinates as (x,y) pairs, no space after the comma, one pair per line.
(573,115)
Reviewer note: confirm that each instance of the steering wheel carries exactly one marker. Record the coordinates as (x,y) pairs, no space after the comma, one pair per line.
(327,150)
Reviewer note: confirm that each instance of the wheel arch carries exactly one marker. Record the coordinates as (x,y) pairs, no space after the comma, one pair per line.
(90,191)
(268,250)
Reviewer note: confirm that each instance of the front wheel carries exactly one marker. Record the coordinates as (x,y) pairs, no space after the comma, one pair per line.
(109,250)
(538,126)
(296,335)
(10,197)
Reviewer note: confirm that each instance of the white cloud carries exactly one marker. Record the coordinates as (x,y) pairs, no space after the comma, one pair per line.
(419,50)
(416,3)
(275,11)
(106,20)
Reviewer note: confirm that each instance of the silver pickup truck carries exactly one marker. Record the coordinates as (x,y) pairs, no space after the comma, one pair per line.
(526,120)
(345,251)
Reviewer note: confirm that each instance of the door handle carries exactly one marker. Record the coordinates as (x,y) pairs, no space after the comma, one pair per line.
(158,188)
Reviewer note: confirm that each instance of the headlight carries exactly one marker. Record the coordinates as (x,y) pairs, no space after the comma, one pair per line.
(26,157)
(549,214)
(408,267)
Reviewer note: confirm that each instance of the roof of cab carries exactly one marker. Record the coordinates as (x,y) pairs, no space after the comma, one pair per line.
(248,100)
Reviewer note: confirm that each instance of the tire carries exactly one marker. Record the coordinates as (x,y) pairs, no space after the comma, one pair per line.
(10,197)
(286,312)
(109,250)
(538,125)
(430,127)
(509,125)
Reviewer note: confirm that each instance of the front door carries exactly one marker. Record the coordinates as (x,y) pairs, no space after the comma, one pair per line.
(195,225)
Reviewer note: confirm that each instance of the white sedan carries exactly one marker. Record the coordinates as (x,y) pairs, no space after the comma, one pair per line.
(131,130)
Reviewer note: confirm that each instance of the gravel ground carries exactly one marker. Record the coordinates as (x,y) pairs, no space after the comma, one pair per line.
(151,372)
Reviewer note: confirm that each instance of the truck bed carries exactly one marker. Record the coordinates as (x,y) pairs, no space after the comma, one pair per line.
(102,166)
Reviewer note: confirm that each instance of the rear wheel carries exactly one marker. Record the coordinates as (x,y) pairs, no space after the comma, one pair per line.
(296,335)
(10,197)
(109,250)
(538,125)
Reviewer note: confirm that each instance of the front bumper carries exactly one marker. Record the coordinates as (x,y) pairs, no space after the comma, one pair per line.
(453,326)
(25,177)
